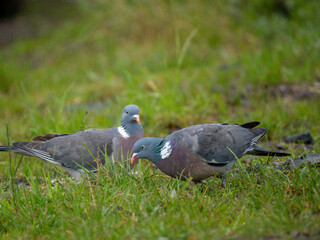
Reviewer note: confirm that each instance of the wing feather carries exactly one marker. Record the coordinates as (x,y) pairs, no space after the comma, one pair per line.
(220,144)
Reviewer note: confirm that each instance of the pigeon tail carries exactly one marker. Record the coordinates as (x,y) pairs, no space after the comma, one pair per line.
(4,148)
(260,151)
(14,149)
(250,125)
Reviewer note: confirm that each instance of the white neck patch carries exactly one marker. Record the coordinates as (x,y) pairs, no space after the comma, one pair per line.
(166,150)
(123,132)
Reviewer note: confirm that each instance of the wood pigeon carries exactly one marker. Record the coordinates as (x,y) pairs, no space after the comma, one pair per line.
(87,147)
(202,151)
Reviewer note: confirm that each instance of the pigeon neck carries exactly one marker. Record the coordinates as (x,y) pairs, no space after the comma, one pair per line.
(130,128)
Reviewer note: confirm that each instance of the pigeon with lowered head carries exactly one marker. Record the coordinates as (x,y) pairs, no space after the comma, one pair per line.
(202,151)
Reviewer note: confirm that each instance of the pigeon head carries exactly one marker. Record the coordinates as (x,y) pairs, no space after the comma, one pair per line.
(130,113)
(130,122)
(149,148)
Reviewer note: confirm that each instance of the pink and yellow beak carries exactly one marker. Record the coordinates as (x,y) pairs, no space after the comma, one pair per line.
(134,158)
(136,117)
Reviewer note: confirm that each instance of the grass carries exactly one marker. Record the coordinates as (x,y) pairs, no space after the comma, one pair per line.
(183,63)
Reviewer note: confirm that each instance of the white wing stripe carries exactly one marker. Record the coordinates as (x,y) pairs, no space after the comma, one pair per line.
(43,155)
(253,142)
(47,159)
(40,152)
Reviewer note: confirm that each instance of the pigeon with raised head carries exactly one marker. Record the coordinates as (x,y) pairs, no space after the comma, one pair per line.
(202,151)
(86,148)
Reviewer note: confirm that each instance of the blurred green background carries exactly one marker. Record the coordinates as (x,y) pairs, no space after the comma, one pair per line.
(182,62)
(70,65)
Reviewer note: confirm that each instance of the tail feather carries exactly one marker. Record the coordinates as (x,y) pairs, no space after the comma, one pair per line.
(250,125)
(6,148)
(13,149)
(260,151)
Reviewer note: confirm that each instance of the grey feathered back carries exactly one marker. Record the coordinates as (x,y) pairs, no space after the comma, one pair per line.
(219,144)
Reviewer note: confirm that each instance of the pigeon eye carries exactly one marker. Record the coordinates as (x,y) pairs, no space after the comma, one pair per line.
(127,112)
(143,146)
